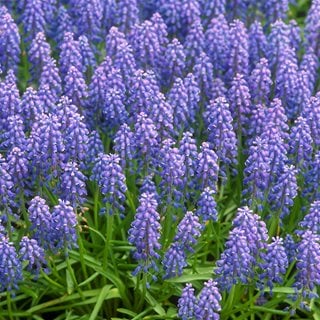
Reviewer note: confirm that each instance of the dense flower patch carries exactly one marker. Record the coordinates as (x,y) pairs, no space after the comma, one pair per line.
(159,160)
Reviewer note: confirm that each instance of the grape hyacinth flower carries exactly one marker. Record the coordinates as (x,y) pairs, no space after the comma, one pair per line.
(9,41)
(312,179)
(97,86)
(72,185)
(308,265)
(75,87)
(254,228)
(275,10)
(46,146)
(70,54)
(18,168)
(125,62)
(207,168)
(144,234)
(275,263)
(114,40)
(257,123)
(188,149)
(194,43)
(148,186)
(189,229)
(109,175)
(145,135)
(257,43)
(221,134)
(7,192)
(312,27)
(236,262)
(284,190)
(240,104)
(172,172)
(33,18)
(257,171)
(178,99)
(94,148)
(311,221)
(260,82)
(50,76)
(39,53)
(203,73)
(126,15)
(217,44)
(171,11)
(108,13)
(114,112)
(208,304)
(14,136)
(76,137)
(237,9)
(33,254)
(300,143)
(147,46)
(63,227)
(187,303)
(279,45)
(63,24)
(312,116)
(143,91)
(87,52)
(212,9)
(30,106)
(278,149)
(174,61)
(290,247)
(174,261)
(124,144)
(294,35)
(310,65)
(286,84)
(10,266)
(276,117)
(190,11)
(193,92)
(239,50)
(9,97)
(89,18)
(207,206)
(40,220)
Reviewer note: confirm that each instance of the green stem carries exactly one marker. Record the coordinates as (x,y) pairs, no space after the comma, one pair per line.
(229,302)
(109,237)
(73,277)
(24,211)
(81,256)
(251,302)
(95,207)
(9,304)
(143,291)
(274,228)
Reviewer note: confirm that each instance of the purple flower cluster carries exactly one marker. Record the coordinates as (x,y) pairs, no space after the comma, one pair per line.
(205,306)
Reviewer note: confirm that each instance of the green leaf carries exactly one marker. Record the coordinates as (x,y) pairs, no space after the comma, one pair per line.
(268,310)
(103,293)
(91,278)
(29,292)
(70,284)
(126,311)
(155,304)
(191,277)
(287,290)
